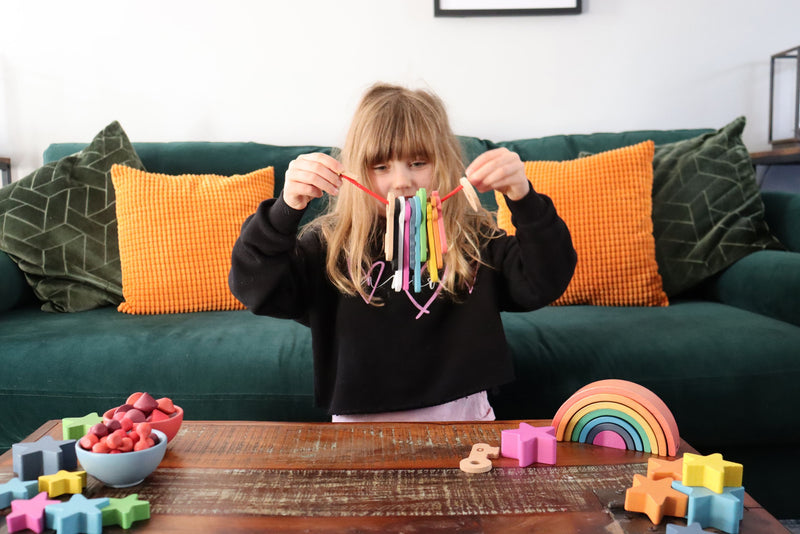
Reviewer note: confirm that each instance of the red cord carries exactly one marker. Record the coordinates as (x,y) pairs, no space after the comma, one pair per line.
(366,190)
(453,192)
(383,200)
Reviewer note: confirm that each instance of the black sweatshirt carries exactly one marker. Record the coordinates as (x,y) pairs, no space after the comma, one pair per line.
(402,355)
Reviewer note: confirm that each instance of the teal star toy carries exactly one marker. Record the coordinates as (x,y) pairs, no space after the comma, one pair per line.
(77,515)
(17,489)
(723,510)
(694,528)
(77,427)
(124,512)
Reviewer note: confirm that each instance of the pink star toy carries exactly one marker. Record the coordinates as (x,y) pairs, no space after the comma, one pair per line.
(28,514)
(529,444)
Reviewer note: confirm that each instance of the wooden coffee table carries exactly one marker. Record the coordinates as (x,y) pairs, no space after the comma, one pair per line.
(231,477)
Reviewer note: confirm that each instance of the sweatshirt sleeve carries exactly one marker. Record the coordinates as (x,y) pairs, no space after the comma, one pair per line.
(537,263)
(269,265)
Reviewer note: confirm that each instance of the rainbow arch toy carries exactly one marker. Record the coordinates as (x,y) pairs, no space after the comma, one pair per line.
(620,414)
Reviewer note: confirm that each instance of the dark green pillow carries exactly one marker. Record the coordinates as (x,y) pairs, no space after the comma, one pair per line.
(59,225)
(707,208)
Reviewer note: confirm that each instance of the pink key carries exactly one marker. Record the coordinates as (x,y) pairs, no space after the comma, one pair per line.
(406,245)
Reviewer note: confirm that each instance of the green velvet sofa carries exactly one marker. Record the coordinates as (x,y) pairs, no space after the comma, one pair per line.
(725,356)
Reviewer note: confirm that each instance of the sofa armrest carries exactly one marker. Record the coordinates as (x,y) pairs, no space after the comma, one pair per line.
(14,290)
(782,213)
(766,282)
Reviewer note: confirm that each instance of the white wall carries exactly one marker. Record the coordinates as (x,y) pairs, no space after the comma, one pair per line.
(291,72)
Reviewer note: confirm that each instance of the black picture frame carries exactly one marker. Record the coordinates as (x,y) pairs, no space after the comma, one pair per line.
(571,7)
(793,55)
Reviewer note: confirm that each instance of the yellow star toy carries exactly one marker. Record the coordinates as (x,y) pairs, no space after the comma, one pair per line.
(63,482)
(711,472)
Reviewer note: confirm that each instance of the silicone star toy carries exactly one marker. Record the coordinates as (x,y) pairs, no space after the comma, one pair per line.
(17,489)
(655,498)
(77,427)
(529,444)
(717,510)
(658,468)
(43,457)
(77,515)
(28,513)
(694,528)
(63,482)
(124,512)
(711,472)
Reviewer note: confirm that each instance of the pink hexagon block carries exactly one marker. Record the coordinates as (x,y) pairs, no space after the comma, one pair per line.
(529,444)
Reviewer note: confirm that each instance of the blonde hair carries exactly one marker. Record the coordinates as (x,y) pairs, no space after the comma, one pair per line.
(395,122)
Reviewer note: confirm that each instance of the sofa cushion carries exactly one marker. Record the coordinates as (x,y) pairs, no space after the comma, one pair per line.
(176,234)
(566,147)
(223,158)
(707,210)
(782,213)
(14,290)
(215,365)
(605,201)
(59,225)
(760,282)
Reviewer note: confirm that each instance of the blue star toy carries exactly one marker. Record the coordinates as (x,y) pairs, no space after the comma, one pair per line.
(17,489)
(723,510)
(694,528)
(77,515)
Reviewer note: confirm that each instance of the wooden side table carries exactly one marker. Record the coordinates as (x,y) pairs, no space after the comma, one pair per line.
(777,156)
(5,171)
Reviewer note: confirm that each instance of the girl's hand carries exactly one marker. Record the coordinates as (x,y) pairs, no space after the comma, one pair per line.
(501,170)
(308,177)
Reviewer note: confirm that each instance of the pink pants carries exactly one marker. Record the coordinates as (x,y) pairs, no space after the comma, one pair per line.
(474,407)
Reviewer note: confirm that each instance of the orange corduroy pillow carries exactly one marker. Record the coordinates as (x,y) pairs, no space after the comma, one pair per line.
(605,199)
(176,234)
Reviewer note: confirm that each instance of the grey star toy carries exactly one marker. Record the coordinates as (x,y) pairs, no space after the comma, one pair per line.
(45,456)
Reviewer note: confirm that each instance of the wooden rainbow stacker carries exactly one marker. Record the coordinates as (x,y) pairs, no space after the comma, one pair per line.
(621,414)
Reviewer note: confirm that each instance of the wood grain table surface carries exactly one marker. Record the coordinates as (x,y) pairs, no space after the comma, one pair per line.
(244,476)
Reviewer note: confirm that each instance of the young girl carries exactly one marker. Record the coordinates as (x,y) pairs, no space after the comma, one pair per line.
(383,350)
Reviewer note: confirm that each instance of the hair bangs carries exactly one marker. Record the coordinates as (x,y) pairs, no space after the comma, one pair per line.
(399,131)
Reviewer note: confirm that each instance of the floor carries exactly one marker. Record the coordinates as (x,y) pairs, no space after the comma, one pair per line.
(792,524)
(778,177)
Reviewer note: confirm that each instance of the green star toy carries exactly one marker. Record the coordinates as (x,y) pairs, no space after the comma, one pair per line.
(124,512)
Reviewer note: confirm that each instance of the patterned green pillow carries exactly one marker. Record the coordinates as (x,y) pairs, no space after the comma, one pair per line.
(59,225)
(707,208)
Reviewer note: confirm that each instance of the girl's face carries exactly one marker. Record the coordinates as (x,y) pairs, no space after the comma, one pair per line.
(403,176)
